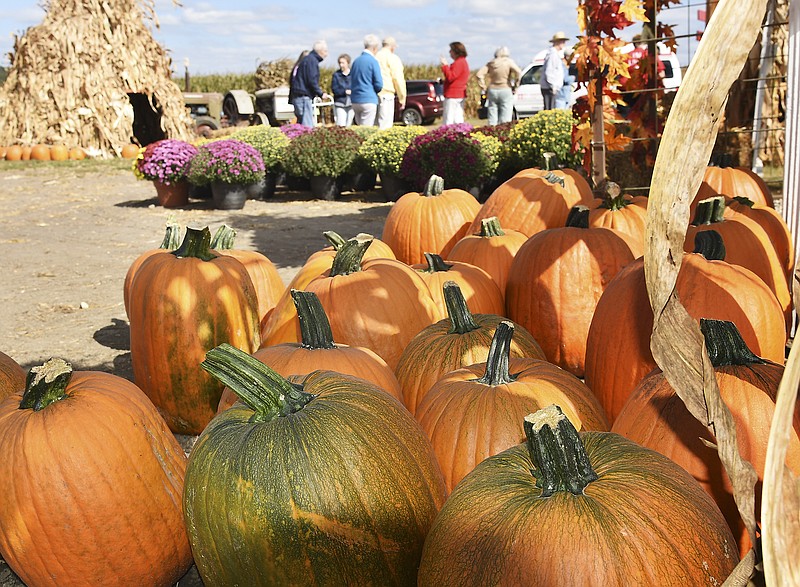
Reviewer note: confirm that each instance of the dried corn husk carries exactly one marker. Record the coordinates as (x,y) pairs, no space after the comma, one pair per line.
(273,74)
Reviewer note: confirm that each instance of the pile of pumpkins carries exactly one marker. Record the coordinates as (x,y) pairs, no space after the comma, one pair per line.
(42,152)
(468,400)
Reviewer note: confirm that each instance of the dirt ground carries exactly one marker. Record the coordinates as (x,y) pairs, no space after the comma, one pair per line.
(68,235)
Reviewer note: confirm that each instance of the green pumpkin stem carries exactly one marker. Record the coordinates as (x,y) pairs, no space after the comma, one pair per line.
(196,244)
(614,199)
(348,258)
(461,320)
(224,238)
(46,384)
(709,243)
(578,217)
(721,160)
(557,452)
(709,211)
(315,328)
(491,227)
(743,200)
(172,237)
(435,263)
(434,187)
(497,362)
(263,390)
(335,239)
(725,344)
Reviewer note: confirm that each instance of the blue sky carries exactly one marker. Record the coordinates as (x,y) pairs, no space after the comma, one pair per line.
(223,37)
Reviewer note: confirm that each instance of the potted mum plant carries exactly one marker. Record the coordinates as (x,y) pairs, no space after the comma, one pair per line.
(322,155)
(383,151)
(230,166)
(548,131)
(271,143)
(166,164)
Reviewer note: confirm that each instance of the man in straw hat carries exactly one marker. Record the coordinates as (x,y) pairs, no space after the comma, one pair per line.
(552,77)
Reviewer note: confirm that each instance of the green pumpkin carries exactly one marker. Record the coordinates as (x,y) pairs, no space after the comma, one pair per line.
(325,481)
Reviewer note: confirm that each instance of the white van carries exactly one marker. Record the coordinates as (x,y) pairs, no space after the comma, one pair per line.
(528,96)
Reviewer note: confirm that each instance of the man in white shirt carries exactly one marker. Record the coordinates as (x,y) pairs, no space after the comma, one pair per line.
(394,83)
(552,77)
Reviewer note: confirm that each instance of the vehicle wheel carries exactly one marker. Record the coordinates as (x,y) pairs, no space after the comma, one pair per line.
(230,110)
(259,118)
(203,125)
(412,117)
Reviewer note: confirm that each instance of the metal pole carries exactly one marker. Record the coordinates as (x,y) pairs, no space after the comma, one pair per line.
(791,169)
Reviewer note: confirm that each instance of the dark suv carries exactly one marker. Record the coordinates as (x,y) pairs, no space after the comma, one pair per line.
(424,102)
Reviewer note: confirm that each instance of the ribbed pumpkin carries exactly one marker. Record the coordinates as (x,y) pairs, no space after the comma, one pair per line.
(746,244)
(556,280)
(91,481)
(317,350)
(457,341)
(722,177)
(618,345)
(655,417)
(380,304)
(40,153)
(59,153)
(622,213)
(492,249)
(569,509)
(477,286)
(265,277)
(324,481)
(281,324)
(429,222)
(171,241)
(12,376)
(534,200)
(182,304)
(475,412)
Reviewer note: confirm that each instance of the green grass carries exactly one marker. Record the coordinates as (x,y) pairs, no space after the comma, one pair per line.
(81,167)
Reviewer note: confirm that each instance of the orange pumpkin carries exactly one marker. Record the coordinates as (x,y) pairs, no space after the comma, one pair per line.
(492,249)
(14,153)
(618,345)
(40,153)
(723,178)
(171,241)
(129,151)
(318,351)
(655,417)
(94,435)
(622,213)
(429,222)
(475,412)
(459,340)
(12,376)
(59,153)
(76,154)
(26,153)
(182,304)
(534,200)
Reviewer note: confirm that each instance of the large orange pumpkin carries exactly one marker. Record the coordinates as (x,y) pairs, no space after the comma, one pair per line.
(12,376)
(534,200)
(655,417)
(317,350)
(14,153)
(618,345)
(722,177)
(429,222)
(457,341)
(622,213)
(577,509)
(171,241)
(40,153)
(476,411)
(59,153)
(91,483)
(556,280)
(182,304)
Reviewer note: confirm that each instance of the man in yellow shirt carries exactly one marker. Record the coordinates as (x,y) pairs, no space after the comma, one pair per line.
(394,83)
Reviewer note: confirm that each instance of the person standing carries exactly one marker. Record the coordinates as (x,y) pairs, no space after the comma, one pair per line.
(552,78)
(340,86)
(305,84)
(502,73)
(456,76)
(394,83)
(564,96)
(366,82)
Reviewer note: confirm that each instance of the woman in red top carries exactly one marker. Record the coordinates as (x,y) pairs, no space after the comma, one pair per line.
(455,83)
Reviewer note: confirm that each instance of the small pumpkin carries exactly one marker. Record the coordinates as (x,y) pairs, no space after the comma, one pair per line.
(325,480)
(59,153)
(129,151)
(40,153)
(170,242)
(26,153)
(577,509)
(77,154)
(12,376)
(14,153)
(622,213)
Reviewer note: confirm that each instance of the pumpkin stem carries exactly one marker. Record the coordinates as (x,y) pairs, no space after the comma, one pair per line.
(709,243)
(196,244)
(491,227)
(315,328)
(550,161)
(745,201)
(725,344)
(434,187)
(613,199)
(557,453)
(172,237)
(554,179)
(461,320)
(335,239)
(264,391)
(709,211)
(435,263)
(46,384)
(497,362)
(578,217)
(224,238)
(721,160)
(348,258)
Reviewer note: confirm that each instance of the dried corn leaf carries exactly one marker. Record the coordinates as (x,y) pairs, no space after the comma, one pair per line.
(687,142)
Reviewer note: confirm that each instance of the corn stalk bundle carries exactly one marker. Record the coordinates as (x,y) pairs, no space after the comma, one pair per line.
(775,94)
(70,77)
(272,74)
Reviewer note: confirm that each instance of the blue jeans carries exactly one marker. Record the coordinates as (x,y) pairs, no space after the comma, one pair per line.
(304,110)
(499,105)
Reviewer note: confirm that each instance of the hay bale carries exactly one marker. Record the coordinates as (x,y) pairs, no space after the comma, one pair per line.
(70,77)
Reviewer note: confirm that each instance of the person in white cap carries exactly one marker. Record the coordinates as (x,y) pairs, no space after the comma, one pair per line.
(552,77)
(394,83)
